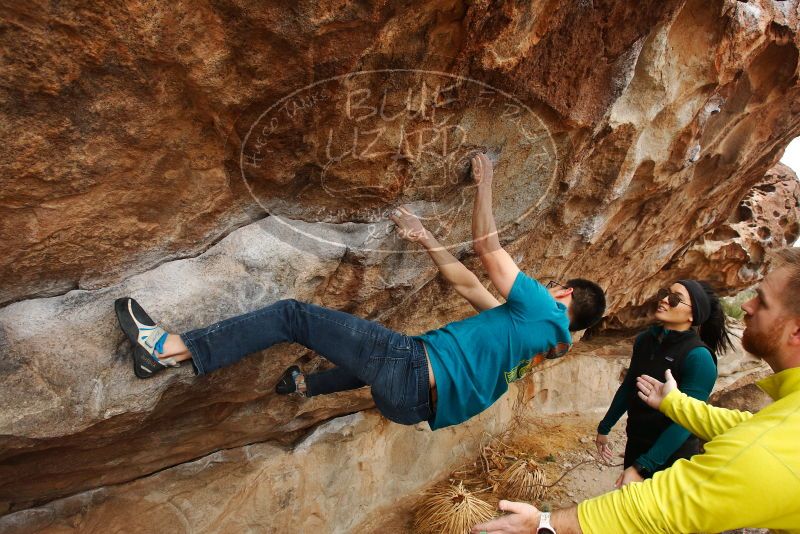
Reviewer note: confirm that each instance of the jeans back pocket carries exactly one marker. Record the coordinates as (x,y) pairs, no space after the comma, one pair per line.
(400,342)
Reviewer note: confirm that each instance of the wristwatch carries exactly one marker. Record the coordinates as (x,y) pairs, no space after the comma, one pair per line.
(544,524)
(642,470)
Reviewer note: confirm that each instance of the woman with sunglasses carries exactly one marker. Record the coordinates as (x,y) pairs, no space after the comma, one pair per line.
(691,332)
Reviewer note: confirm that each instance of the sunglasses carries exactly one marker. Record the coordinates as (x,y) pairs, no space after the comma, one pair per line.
(673,299)
(552,283)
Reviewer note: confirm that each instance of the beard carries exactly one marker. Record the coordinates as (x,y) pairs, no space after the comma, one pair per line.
(762,344)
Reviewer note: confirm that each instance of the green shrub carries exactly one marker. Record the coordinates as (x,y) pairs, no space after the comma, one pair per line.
(733,305)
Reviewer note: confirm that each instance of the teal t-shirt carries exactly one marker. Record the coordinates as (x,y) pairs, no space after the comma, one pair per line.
(474,360)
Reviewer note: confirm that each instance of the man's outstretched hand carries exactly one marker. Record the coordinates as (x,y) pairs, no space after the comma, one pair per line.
(522,519)
(409,226)
(652,391)
(482,171)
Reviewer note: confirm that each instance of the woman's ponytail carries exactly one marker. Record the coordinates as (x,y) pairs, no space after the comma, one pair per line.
(714,331)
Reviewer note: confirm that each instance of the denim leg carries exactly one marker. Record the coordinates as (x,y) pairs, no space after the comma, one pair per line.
(331,381)
(386,360)
(346,340)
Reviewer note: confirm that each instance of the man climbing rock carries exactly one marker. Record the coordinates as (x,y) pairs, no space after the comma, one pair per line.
(444,376)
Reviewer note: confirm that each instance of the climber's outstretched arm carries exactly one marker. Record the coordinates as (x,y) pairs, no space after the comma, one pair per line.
(456,273)
(499,265)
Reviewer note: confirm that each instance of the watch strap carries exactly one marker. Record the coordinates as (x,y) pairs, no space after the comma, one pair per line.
(642,470)
(544,524)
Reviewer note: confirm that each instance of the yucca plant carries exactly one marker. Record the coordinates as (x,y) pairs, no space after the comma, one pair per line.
(524,480)
(450,510)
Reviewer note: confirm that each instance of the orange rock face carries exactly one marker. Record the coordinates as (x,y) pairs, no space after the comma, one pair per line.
(733,255)
(129,127)
(145,142)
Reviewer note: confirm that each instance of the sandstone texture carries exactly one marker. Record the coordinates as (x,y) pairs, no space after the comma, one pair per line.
(359,458)
(732,255)
(131,126)
(210,158)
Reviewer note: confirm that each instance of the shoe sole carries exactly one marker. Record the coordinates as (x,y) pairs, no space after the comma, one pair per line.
(287,374)
(131,331)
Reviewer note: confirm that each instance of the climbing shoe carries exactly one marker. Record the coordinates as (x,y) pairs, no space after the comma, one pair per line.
(147,338)
(287,383)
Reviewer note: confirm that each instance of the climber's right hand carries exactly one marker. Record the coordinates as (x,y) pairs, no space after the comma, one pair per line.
(409,227)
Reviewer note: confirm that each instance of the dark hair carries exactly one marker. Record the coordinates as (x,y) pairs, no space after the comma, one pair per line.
(588,304)
(714,331)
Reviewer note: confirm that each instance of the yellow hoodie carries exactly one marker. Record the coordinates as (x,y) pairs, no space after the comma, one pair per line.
(749,475)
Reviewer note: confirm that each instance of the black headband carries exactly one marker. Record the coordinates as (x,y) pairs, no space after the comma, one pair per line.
(701,304)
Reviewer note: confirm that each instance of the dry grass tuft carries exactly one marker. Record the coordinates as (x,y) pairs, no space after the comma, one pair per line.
(524,480)
(506,468)
(450,510)
(512,473)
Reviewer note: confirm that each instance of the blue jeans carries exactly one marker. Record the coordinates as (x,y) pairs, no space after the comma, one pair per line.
(365,353)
